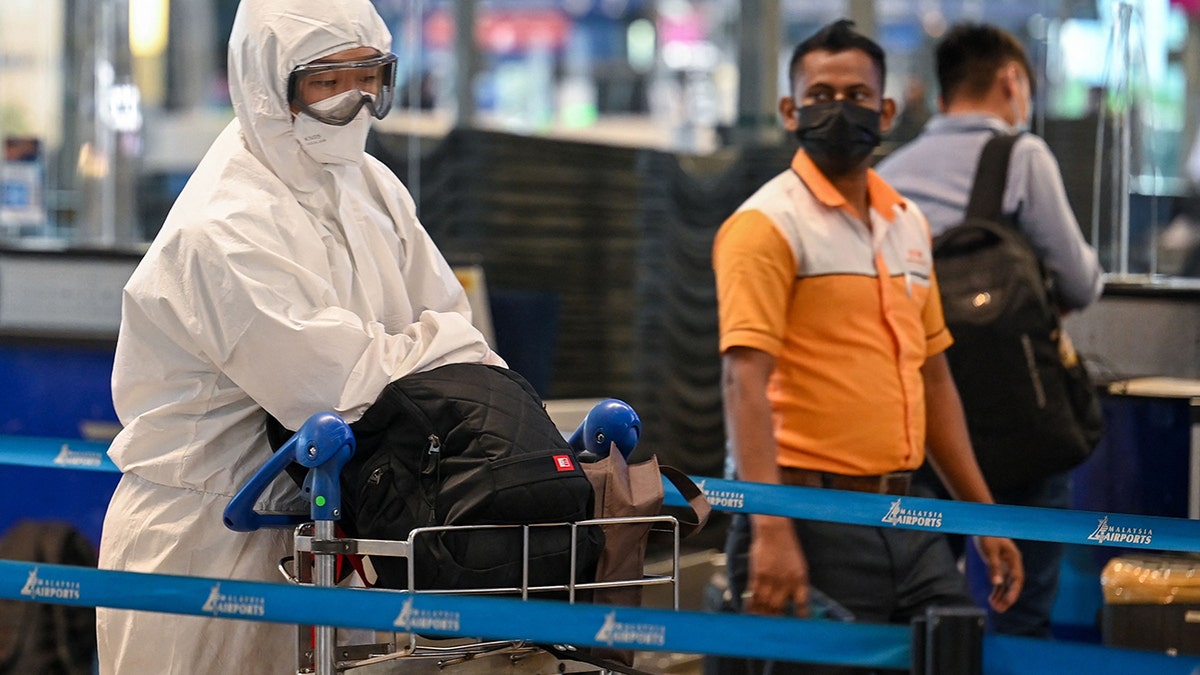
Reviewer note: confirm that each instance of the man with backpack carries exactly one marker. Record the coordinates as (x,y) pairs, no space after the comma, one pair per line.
(986,83)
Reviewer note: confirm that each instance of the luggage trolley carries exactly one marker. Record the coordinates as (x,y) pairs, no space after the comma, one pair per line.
(324,444)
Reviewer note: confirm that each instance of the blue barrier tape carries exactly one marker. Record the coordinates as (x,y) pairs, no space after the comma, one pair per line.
(1017,522)
(869,645)
(540,621)
(549,622)
(1008,655)
(55,453)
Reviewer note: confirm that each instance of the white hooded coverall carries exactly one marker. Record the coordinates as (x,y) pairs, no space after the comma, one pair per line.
(276,285)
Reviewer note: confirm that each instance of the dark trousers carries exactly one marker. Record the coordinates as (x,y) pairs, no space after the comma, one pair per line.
(1030,615)
(880,574)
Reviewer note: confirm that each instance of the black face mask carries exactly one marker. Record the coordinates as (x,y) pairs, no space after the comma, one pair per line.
(838,135)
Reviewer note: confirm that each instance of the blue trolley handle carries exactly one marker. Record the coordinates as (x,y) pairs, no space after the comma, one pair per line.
(324,444)
(609,421)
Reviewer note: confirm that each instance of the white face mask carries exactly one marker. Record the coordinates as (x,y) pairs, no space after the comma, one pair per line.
(328,144)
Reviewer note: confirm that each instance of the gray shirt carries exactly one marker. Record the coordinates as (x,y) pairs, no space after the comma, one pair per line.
(937,169)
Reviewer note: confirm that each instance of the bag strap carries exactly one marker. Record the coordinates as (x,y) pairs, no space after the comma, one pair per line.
(691,492)
(987,197)
(991,177)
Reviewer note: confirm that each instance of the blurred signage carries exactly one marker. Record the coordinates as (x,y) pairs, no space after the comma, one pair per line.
(512,31)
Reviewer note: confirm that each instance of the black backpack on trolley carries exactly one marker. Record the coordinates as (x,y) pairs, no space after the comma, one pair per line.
(1029,414)
(466,444)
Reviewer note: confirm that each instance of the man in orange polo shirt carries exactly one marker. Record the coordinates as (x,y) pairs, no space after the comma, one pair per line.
(833,373)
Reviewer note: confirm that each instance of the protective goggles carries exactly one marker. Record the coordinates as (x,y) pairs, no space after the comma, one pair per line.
(334,92)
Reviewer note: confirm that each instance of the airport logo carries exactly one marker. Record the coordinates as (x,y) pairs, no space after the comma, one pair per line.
(233,605)
(49,589)
(614,632)
(411,618)
(731,499)
(1106,533)
(898,515)
(68,457)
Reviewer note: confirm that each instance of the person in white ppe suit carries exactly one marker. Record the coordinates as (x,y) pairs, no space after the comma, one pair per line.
(290,277)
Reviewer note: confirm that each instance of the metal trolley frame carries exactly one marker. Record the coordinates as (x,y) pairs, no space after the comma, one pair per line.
(324,444)
(408,652)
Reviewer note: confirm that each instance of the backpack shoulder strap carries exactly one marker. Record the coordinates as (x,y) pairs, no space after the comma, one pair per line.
(987,193)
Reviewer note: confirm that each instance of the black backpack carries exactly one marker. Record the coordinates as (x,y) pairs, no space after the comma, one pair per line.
(1028,414)
(467,444)
(47,639)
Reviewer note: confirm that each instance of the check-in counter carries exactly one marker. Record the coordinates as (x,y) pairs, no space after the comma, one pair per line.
(1149,460)
(1148,463)
(1142,340)
(60,309)
(1141,328)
